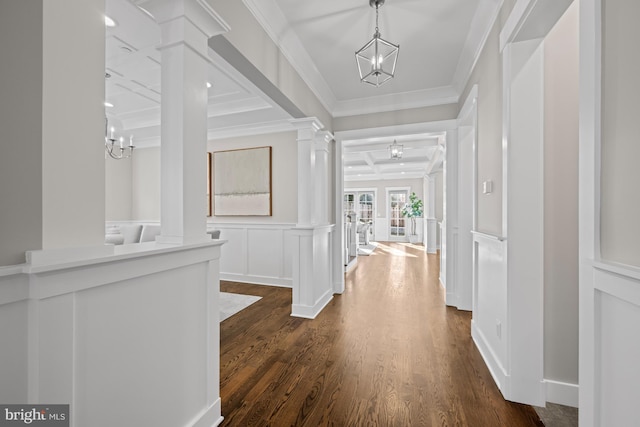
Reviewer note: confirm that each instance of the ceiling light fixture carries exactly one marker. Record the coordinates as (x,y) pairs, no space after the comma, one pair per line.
(208,85)
(377,59)
(395,151)
(108,104)
(109,22)
(114,151)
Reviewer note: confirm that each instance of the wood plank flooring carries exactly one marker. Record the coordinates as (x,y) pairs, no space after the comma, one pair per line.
(387,352)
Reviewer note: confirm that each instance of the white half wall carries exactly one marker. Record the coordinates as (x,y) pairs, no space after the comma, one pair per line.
(135,330)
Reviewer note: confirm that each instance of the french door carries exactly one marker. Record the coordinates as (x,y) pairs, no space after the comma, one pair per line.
(396,200)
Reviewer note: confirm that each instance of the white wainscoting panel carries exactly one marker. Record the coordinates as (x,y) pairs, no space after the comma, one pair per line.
(14,309)
(617,344)
(135,330)
(489,324)
(256,253)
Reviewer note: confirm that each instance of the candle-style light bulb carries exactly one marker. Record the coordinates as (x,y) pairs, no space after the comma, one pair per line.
(112,131)
(122,143)
(130,141)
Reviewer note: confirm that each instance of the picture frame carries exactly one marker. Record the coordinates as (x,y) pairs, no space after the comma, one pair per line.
(242,182)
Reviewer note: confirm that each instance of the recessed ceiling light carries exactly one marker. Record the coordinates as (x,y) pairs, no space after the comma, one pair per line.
(109,22)
(349,167)
(402,172)
(108,104)
(401,164)
(208,85)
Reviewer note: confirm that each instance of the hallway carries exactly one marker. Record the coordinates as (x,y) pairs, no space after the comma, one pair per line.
(385,353)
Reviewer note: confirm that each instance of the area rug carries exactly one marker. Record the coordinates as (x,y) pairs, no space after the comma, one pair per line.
(366,250)
(231,304)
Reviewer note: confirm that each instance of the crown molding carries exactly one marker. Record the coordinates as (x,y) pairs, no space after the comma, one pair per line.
(396,101)
(273,21)
(483,21)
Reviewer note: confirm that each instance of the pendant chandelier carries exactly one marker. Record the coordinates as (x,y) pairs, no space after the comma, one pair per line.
(117,151)
(377,59)
(395,151)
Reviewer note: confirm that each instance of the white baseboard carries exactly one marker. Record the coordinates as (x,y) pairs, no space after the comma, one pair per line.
(310,312)
(562,393)
(257,280)
(210,417)
(490,359)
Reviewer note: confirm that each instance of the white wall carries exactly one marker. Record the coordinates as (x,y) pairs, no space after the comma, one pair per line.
(73,124)
(439,196)
(609,230)
(620,147)
(21,124)
(487,74)
(259,247)
(118,189)
(561,200)
(283,174)
(51,173)
(146,184)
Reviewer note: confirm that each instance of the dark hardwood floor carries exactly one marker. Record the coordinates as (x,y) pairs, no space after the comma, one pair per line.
(387,352)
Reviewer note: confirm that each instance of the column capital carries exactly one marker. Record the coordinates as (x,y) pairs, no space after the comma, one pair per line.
(322,140)
(307,127)
(186,21)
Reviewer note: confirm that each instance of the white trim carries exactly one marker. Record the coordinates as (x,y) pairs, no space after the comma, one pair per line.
(498,372)
(387,191)
(562,393)
(463,240)
(396,101)
(279,282)
(272,20)
(531,19)
(210,417)
(311,312)
(481,27)
(590,28)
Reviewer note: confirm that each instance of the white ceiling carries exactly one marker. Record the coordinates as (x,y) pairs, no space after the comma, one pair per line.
(439,42)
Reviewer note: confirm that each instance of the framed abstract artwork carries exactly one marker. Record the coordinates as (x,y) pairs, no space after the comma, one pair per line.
(242,182)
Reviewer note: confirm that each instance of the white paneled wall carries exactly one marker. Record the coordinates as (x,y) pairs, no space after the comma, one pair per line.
(135,330)
(489,324)
(256,253)
(617,306)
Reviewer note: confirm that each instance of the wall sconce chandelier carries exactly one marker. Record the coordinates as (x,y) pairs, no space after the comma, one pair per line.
(395,151)
(377,59)
(119,151)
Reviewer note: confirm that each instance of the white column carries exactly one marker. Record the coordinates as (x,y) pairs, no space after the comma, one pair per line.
(186,26)
(312,283)
(307,130)
(432,222)
(321,193)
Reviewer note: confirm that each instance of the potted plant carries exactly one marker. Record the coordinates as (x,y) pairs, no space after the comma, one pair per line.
(413,210)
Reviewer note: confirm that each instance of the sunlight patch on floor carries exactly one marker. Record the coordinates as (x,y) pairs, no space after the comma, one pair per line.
(394,251)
